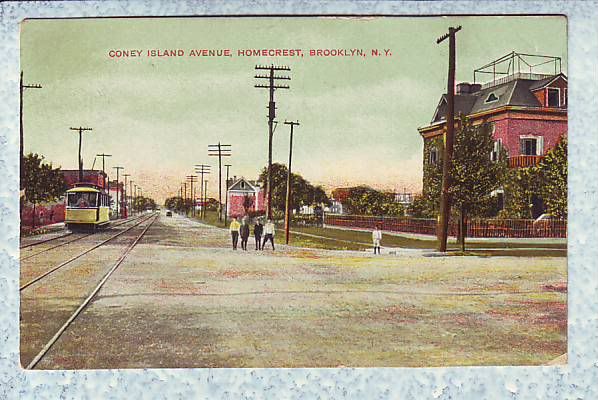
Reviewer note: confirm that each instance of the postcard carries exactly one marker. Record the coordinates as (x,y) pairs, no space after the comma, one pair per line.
(286,192)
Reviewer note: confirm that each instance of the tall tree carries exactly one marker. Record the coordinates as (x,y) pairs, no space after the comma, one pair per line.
(304,193)
(475,175)
(553,176)
(41,181)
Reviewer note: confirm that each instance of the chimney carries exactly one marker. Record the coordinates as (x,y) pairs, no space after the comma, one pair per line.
(475,87)
(463,88)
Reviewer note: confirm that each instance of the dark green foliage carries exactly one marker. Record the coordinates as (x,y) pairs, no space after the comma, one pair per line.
(548,179)
(41,181)
(363,200)
(304,193)
(553,175)
(474,175)
(142,203)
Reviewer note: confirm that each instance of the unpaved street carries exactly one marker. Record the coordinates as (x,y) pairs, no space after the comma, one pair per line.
(184,298)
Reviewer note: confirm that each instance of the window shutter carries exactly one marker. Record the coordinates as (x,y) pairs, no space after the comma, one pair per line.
(521,146)
(540,146)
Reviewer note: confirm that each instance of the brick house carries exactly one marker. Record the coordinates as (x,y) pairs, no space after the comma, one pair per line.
(236,194)
(527,110)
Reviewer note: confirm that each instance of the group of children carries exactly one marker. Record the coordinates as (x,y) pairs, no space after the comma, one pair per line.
(242,229)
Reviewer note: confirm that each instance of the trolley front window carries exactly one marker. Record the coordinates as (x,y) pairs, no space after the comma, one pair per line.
(82,200)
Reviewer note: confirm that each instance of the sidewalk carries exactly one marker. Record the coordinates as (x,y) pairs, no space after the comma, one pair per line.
(28,231)
(452,239)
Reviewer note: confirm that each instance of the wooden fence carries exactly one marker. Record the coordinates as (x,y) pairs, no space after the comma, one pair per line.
(476,228)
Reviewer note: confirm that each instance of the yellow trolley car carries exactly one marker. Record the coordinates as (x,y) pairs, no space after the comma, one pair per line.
(87,208)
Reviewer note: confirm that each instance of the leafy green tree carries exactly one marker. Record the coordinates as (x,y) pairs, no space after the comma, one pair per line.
(364,200)
(553,177)
(41,181)
(474,175)
(303,192)
(142,203)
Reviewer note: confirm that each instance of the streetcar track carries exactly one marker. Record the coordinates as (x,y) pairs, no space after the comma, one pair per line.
(73,240)
(90,297)
(76,257)
(63,236)
(45,241)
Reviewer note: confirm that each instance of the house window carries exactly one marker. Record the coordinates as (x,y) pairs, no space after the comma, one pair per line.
(531,145)
(433,158)
(491,98)
(242,185)
(496,150)
(553,97)
(528,147)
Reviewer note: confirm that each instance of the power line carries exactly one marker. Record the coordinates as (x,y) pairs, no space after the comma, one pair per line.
(22,88)
(202,169)
(445,203)
(118,208)
(107,187)
(226,194)
(271,86)
(192,179)
(219,150)
(80,130)
(287,208)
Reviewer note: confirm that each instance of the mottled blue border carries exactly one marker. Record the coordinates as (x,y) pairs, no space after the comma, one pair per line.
(577,380)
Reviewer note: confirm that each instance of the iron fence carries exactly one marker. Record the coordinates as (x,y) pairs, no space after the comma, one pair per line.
(476,228)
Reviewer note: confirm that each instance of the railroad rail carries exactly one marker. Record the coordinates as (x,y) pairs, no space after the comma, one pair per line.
(83,253)
(69,241)
(90,297)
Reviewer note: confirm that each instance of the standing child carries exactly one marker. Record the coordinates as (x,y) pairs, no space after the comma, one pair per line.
(258,229)
(244,231)
(268,234)
(376,238)
(234,232)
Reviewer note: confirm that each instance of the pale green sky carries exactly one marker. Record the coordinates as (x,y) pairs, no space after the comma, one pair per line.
(156,116)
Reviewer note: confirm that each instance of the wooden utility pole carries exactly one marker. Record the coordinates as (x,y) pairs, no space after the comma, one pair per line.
(80,130)
(125,191)
(118,205)
(287,208)
(202,169)
(219,150)
(22,87)
(191,179)
(107,187)
(271,86)
(185,198)
(445,203)
(131,198)
(226,195)
(205,193)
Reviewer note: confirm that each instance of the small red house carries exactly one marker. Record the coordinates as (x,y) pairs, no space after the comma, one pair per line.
(244,196)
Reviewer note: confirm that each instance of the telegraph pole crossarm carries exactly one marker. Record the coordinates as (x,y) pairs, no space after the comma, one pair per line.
(80,130)
(271,86)
(287,208)
(443,220)
(219,150)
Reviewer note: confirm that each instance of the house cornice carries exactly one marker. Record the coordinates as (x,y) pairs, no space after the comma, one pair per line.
(537,110)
